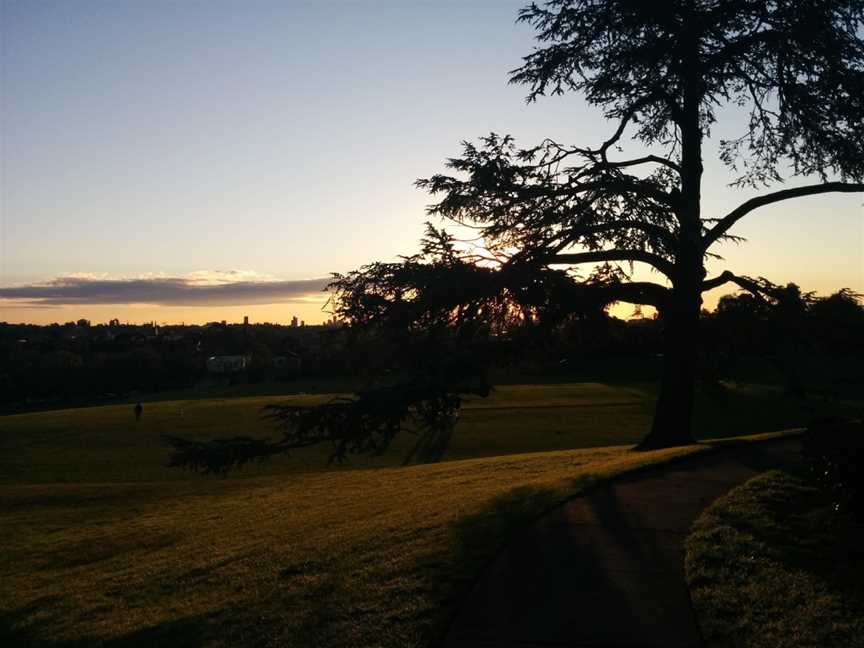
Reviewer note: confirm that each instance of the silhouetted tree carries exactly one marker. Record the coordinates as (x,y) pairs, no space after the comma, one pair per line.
(433,323)
(660,71)
(838,321)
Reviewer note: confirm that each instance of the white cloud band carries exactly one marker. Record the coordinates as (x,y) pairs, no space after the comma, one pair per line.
(231,288)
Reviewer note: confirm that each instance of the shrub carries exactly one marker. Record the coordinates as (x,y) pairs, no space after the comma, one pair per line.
(834,452)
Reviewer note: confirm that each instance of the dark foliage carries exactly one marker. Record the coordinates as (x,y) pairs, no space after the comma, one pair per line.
(365,423)
(78,364)
(661,72)
(436,321)
(217,456)
(796,67)
(816,343)
(834,450)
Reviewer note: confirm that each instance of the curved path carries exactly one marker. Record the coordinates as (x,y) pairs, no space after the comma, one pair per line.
(607,568)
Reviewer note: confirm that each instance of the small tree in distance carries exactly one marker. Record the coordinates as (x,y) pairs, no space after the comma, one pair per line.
(661,72)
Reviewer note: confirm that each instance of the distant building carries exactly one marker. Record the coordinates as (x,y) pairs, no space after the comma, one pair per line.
(228,364)
(245,320)
(294,322)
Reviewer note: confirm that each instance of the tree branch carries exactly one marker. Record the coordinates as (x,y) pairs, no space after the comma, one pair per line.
(626,116)
(623,183)
(715,282)
(642,293)
(625,119)
(644,160)
(725,223)
(562,153)
(649,228)
(657,262)
(725,277)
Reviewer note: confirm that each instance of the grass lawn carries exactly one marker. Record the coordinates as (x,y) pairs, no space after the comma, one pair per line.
(338,558)
(102,544)
(767,568)
(106,444)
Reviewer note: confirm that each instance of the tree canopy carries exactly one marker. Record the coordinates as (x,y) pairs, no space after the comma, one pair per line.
(663,73)
(796,66)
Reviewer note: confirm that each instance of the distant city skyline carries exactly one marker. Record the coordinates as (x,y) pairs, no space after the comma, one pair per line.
(205,161)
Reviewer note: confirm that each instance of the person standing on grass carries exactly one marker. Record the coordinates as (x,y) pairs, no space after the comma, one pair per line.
(139,408)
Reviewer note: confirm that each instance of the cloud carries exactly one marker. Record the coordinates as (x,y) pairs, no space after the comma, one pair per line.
(203,288)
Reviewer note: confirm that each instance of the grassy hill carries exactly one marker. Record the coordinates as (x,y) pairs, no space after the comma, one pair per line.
(106,444)
(102,544)
(339,558)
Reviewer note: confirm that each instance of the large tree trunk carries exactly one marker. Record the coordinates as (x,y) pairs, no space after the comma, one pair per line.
(673,416)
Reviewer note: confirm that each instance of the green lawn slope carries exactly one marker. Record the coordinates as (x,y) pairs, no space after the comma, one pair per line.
(106,444)
(104,545)
(346,558)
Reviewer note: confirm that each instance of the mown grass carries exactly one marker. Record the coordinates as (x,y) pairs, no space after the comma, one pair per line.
(769,567)
(107,444)
(102,544)
(100,444)
(346,558)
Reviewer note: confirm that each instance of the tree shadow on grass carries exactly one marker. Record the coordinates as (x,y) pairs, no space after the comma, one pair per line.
(479,537)
(297,610)
(179,633)
(15,632)
(550,542)
(185,632)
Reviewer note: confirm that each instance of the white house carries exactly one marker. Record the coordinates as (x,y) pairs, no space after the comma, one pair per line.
(228,364)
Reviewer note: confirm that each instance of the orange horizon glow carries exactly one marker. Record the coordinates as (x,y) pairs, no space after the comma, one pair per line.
(311,310)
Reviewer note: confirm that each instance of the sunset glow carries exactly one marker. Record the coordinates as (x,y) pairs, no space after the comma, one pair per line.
(166,141)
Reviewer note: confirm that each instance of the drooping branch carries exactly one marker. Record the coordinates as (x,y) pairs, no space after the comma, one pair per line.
(715,282)
(657,262)
(725,223)
(426,404)
(646,160)
(759,290)
(642,293)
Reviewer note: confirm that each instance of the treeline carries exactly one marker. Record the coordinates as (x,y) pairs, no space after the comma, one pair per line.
(807,343)
(78,361)
(815,343)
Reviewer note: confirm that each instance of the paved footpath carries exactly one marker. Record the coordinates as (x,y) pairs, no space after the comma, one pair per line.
(607,569)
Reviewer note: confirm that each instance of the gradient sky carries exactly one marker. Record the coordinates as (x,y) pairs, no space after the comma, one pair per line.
(250,147)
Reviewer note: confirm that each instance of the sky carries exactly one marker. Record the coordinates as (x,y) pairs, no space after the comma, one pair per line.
(199,161)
